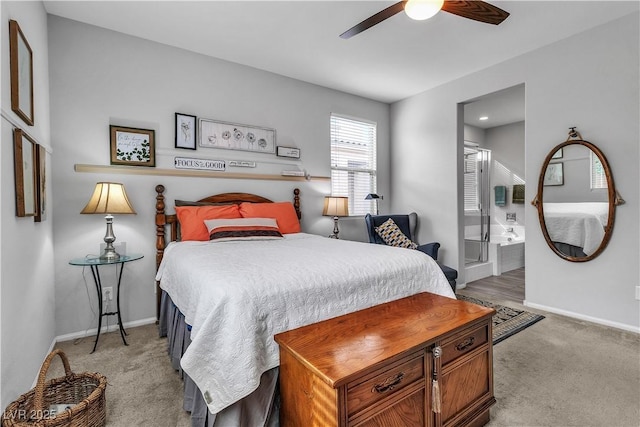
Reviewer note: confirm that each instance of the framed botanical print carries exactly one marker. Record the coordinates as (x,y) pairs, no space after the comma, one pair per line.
(21,70)
(554,174)
(232,136)
(25,174)
(185,131)
(132,146)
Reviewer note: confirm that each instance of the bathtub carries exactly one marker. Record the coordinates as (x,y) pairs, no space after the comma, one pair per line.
(506,252)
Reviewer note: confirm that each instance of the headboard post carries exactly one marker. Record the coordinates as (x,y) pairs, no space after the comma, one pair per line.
(161,243)
(296,202)
(160,223)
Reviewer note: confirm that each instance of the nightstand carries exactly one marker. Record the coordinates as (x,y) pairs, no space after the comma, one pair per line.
(94,263)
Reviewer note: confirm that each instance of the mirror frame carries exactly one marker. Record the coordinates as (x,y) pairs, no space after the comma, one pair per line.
(613,198)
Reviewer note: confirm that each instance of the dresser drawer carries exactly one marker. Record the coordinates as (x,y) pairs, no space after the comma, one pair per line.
(463,343)
(384,383)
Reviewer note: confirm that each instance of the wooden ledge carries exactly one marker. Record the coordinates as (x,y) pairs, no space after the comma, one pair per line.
(140,170)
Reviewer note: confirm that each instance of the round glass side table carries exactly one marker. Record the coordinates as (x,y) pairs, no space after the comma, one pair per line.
(94,263)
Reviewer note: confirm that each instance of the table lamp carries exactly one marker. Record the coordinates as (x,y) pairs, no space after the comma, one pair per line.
(335,207)
(376,197)
(109,198)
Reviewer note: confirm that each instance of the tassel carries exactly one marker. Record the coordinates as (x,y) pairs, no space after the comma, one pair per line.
(435,397)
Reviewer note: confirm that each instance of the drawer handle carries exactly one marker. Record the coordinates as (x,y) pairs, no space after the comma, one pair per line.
(388,384)
(465,344)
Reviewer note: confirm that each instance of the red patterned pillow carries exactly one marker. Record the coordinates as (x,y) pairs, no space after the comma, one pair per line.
(221,230)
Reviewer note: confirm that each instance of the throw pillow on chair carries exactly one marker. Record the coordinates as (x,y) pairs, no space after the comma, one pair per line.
(393,236)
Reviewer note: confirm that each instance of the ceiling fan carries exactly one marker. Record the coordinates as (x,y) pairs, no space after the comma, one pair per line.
(425,9)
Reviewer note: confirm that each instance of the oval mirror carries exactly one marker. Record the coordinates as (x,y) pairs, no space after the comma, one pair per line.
(576,200)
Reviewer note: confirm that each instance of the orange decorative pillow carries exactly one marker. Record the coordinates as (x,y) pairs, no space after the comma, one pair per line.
(283,212)
(192,219)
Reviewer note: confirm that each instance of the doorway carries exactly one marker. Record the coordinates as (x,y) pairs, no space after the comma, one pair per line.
(493,169)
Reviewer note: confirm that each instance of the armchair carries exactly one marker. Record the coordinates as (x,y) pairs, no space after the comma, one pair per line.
(407,224)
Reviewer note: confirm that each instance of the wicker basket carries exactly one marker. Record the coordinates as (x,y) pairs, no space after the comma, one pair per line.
(86,391)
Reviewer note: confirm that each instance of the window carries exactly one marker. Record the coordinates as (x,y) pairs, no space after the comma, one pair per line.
(353,162)
(471,188)
(598,177)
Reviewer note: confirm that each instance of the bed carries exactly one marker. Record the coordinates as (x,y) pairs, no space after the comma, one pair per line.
(221,302)
(576,229)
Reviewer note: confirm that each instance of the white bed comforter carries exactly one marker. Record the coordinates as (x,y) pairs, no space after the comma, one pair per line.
(237,295)
(578,224)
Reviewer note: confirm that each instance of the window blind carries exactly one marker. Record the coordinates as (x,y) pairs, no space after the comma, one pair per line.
(598,177)
(471,197)
(353,162)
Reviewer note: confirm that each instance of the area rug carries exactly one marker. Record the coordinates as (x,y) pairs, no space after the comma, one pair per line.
(507,321)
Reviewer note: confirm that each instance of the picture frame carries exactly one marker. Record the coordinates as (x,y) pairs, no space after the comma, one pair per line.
(41,184)
(132,146)
(554,175)
(233,136)
(289,152)
(185,131)
(557,154)
(21,73)
(25,174)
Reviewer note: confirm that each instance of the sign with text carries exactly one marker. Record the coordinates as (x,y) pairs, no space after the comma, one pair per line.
(199,164)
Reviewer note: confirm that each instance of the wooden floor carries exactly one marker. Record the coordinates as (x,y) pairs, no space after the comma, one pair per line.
(509,286)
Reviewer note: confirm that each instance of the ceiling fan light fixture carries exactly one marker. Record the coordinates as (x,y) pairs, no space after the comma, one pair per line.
(422,9)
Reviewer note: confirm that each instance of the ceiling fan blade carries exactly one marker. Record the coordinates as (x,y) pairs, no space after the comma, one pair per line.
(375,19)
(476,10)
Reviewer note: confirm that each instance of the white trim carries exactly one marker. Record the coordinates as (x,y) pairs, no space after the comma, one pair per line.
(16,124)
(114,327)
(579,316)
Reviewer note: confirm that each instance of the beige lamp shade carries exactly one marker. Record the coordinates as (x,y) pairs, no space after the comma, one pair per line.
(336,206)
(108,198)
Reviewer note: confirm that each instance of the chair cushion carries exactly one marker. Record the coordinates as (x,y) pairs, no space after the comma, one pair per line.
(393,236)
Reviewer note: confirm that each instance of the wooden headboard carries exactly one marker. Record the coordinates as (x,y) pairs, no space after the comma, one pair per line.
(163,219)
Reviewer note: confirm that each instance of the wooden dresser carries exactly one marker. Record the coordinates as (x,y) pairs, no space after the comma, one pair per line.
(424,360)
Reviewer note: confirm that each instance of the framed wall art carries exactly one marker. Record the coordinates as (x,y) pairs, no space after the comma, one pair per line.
(557,154)
(231,136)
(41,184)
(290,152)
(132,146)
(554,174)
(25,175)
(21,71)
(185,131)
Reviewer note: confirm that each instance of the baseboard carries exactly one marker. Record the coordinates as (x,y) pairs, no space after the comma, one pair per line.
(111,328)
(579,316)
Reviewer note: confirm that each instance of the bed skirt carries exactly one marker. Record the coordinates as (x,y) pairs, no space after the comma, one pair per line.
(260,408)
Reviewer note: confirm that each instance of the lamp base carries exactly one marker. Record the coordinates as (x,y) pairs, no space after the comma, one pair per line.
(335,229)
(109,254)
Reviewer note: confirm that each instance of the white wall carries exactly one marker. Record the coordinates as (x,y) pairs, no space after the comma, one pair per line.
(590,81)
(27,296)
(100,77)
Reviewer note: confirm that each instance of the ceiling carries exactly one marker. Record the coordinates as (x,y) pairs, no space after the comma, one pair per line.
(395,59)
(496,109)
